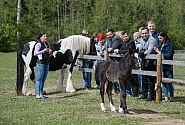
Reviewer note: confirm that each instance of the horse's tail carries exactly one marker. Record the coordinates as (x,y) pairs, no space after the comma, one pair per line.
(20,71)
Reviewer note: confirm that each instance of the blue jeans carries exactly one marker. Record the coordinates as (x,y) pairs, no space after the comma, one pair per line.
(86,75)
(42,71)
(139,83)
(128,90)
(168,87)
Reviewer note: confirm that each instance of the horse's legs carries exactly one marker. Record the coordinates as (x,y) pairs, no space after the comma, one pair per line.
(60,81)
(25,90)
(109,93)
(102,89)
(69,86)
(123,106)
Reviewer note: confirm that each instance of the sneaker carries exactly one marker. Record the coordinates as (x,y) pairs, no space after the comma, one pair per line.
(164,101)
(45,96)
(142,97)
(96,87)
(41,97)
(170,101)
(150,99)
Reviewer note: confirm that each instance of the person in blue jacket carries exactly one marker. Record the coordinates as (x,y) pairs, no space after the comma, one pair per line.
(166,49)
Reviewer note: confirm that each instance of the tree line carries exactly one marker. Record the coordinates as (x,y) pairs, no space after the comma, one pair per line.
(61,18)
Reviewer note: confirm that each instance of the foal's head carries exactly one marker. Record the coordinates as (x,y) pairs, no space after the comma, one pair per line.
(131,59)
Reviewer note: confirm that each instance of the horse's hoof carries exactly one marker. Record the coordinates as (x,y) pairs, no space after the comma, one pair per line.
(28,93)
(113,109)
(103,110)
(62,90)
(126,112)
(19,93)
(120,110)
(71,91)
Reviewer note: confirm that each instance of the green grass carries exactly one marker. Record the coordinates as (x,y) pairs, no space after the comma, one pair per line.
(79,108)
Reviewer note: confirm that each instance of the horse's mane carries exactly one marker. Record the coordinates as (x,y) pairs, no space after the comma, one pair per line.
(76,42)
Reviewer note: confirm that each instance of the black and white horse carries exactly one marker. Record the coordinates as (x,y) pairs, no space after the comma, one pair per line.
(120,73)
(65,53)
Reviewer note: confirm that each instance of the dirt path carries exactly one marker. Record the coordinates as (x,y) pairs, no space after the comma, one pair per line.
(160,120)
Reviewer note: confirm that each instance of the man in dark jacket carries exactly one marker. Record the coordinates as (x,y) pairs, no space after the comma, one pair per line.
(128,43)
(113,42)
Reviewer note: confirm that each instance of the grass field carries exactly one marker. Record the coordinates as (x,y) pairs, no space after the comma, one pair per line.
(81,107)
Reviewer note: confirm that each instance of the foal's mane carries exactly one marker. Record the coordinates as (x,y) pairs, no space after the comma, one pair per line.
(76,42)
(123,59)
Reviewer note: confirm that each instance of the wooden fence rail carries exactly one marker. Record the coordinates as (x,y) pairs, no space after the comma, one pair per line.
(178,54)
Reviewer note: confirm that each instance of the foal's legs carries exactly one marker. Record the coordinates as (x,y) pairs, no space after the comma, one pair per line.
(123,106)
(109,93)
(102,89)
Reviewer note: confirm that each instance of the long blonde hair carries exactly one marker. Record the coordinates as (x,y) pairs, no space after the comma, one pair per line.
(120,34)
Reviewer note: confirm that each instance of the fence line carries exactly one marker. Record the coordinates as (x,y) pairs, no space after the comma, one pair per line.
(158,73)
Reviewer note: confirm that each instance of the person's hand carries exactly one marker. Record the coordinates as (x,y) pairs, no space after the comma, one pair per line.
(116,51)
(109,49)
(101,53)
(156,50)
(46,50)
(50,51)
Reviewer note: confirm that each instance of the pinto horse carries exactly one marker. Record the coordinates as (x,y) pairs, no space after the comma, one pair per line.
(120,73)
(64,55)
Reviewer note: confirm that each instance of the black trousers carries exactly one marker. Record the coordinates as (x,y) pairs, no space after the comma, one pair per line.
(148,82)
(134,84)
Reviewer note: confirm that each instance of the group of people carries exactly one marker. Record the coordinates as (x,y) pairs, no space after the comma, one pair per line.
(145,41)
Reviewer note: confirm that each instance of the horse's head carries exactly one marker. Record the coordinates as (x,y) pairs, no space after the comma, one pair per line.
(133,58)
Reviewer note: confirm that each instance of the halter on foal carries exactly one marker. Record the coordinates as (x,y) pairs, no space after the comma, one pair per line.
(120,73)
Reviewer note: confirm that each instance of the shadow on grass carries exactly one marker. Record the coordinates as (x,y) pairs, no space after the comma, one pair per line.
(142,111)
(69,94)
(180,99)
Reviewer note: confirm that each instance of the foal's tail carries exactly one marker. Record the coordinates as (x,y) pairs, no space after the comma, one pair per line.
(20,71)
(97,71)
(96,74)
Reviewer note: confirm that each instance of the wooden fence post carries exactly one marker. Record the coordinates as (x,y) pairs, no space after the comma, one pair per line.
(159,77)
(106,55)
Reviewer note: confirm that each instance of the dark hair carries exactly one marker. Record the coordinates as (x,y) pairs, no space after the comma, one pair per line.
(124,32)
(145,28)
(40,35)
(109,30)
(163,34)
(141,28)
